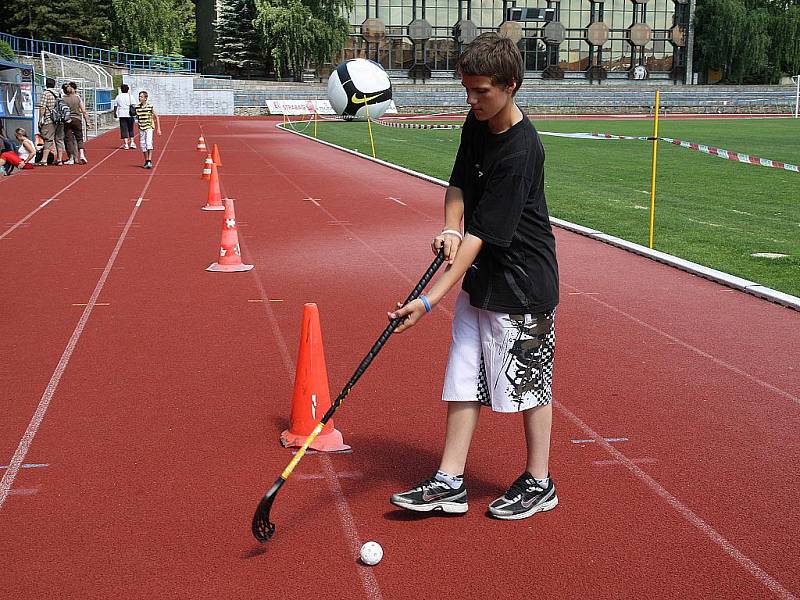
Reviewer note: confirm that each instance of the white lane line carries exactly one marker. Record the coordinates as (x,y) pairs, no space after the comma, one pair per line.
(33,427)
(396,200)
(592,441)
(55,196)
(30,466)
(638,461)
(340,475)
(695,349)
(731,550)
(368,580)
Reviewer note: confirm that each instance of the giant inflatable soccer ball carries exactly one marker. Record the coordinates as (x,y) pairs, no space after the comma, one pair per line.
(359,87)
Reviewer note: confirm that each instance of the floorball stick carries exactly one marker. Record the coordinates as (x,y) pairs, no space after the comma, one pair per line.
(263,528)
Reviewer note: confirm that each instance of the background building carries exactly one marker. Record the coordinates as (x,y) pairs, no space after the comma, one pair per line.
(574,39)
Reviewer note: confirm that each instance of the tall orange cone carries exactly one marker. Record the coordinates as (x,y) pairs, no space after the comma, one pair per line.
(201,144)
(215,156)
(230,255)
(209,163)
(311,398)
(214,201)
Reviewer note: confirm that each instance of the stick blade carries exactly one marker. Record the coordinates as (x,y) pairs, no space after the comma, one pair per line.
(263,529)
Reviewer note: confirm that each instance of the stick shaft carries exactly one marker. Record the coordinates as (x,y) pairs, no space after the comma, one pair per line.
(362,367)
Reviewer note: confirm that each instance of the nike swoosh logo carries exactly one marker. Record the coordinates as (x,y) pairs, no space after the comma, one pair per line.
(428,497)
(356,100)
(10,103)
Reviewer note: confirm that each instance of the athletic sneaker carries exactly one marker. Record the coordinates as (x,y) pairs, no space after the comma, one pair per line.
(432,494)
(148,165)
(133,144)
(524,498)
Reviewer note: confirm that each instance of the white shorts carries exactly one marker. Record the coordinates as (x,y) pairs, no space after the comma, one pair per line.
(145,139)
(503,361)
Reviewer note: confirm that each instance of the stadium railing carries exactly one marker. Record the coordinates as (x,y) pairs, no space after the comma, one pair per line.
(147,62)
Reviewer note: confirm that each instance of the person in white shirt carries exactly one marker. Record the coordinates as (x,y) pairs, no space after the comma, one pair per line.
(122,111)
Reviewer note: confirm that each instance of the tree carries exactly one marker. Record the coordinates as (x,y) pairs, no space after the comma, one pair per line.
(238,45)
(152,26)
(750,41)
(51,20)
(297,32)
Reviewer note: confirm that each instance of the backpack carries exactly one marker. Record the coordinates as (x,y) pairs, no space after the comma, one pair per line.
(60,112)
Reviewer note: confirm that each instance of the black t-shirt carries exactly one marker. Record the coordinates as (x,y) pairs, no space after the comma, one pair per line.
(502,180)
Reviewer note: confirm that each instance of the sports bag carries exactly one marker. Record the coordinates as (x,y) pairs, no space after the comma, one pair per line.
(60,112)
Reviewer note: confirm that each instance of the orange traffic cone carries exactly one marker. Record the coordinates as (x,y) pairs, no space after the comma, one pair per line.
(311,398)
(214,201)
(209,162)
(215,156)
(230,256)
(201,144)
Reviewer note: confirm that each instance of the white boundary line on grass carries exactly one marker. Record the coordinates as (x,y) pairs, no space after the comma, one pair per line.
(726,279)
(33,427)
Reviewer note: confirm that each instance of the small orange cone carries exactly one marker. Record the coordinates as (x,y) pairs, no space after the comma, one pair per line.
(201,144)
(215,156)
(214,201)
(209,162)
(230,255)
(311,398)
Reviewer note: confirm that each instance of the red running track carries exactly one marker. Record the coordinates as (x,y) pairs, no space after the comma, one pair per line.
(142,398)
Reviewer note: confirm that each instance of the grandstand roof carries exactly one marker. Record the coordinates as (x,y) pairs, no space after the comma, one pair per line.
(7,64)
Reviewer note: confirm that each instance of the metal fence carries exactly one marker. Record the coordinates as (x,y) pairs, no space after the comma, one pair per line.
(146,62)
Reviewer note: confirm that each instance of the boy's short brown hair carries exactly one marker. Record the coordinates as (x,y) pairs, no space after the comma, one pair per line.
(492,55)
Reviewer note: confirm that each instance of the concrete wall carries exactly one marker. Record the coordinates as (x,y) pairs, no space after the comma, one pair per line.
(176,95)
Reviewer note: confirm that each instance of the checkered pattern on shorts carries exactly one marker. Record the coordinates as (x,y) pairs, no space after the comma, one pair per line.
(500,360)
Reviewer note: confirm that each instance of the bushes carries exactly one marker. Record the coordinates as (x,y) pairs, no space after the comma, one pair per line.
(6,52)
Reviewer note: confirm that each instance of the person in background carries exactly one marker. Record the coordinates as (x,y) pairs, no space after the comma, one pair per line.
(53,133)
(73,129)
(148,121)
(122,111)
(19,156)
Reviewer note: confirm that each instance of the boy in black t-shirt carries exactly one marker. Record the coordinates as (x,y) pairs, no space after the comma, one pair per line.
(503,329)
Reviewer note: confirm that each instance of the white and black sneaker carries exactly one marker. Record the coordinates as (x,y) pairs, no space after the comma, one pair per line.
(433,495)
(524,498)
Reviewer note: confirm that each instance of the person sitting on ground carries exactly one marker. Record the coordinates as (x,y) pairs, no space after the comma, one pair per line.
(8,156)
(73,129)
(122,111)
(148,120)
(20,157)
(53,133)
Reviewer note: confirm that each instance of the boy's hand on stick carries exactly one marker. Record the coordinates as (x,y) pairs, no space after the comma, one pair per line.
(410,314)
(450,240)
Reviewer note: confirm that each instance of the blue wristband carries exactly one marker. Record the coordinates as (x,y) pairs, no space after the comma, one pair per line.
(426,303)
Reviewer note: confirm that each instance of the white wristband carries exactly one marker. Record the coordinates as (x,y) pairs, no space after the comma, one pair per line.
(454,232)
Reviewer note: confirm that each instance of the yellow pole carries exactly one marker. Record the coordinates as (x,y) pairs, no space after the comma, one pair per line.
(369,127)
(315,122)
(655,160)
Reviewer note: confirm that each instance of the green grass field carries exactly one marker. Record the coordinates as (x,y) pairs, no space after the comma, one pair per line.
(711,211)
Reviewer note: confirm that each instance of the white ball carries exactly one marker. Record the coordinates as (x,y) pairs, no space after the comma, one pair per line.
(371,553)
(359,86)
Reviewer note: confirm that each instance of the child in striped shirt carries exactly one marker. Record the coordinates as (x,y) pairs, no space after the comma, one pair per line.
(148,121)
